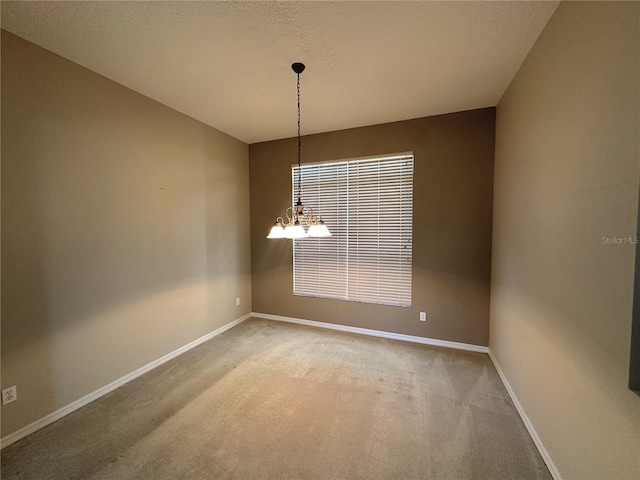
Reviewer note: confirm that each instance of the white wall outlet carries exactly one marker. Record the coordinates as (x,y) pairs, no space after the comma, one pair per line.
(9,395)
(237,301)
(423,316)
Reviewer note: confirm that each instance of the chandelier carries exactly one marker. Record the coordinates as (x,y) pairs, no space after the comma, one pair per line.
(298,216)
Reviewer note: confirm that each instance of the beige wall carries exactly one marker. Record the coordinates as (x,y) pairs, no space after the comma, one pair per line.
(452,225)
(567,153)
(121,239)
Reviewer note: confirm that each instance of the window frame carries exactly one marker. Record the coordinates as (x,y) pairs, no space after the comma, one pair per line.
(398,248)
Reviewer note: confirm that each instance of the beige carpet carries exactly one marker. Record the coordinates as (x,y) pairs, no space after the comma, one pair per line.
(268,400)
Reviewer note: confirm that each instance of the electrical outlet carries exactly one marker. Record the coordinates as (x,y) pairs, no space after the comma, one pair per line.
(423,316)
(237,301)
(9,395)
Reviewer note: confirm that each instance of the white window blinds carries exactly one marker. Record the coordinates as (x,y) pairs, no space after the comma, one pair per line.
(367,206)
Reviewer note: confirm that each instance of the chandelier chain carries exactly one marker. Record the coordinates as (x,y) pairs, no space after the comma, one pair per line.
(299,142)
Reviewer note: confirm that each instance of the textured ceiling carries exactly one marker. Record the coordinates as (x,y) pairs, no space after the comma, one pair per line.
(227,64)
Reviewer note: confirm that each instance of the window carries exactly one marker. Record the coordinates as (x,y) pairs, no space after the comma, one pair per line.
(367,205)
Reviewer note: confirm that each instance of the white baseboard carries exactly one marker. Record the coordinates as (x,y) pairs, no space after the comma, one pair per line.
(376,333)
(527,423)
(81,402)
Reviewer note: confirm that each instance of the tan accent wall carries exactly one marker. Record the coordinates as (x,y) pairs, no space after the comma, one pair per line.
(566,183)
(453,177)
(122,232)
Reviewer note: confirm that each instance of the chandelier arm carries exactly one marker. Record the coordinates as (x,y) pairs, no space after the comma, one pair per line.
(289,217)
(309,217)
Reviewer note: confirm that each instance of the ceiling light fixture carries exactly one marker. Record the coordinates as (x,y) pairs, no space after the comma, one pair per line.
(298,214)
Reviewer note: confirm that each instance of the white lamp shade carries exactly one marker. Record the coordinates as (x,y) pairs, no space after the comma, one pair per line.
(294,231)
(276,231)
(319,230)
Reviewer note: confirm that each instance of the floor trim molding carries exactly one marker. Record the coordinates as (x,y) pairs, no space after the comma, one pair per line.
(527,423)
(375,333)
(81,402)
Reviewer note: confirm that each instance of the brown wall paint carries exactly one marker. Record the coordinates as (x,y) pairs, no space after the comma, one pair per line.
(453,179)
(567,156)
(120,238)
